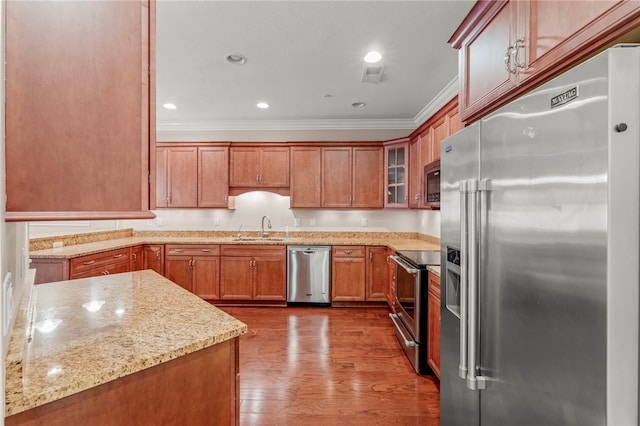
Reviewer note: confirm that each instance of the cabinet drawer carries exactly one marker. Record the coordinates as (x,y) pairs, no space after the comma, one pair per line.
(192,250)
(252,250)
(111,268)
(347,251)
(85,263)
(434,284)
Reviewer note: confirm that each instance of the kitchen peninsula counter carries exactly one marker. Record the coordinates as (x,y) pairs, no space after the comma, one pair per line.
(122,347)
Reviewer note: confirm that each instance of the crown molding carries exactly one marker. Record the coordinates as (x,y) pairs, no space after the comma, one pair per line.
(441,99)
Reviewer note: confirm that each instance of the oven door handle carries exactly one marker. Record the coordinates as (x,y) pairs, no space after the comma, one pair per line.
(404,265)
(407,342)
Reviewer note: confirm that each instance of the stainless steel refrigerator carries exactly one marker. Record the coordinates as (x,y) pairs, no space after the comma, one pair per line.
(540,235)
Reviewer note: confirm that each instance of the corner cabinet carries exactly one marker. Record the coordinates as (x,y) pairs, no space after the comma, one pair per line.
(80,109)
(507,47)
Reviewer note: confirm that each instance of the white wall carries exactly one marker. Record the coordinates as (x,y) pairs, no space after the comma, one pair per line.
(250,207)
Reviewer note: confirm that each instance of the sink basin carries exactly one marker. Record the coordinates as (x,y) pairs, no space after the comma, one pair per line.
(259,239)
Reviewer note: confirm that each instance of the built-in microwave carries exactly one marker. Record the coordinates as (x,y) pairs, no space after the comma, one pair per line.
(432,185)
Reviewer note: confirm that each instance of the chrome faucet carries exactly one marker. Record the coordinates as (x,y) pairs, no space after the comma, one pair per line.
(240,230)
(265,234)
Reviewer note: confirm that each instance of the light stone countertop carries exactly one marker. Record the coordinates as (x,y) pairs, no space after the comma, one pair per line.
(396,241)
(74,335)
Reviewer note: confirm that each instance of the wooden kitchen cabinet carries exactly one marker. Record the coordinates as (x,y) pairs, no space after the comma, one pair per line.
(213,176)
(195,268)
(79,110)
(137,259)
(253,273)
(353,177)
(433,334)
(507,47)
(106,263)
(390,291)
(424,148)
(396,162)
(177,176)
(376,275)
(153,255)
(259,166)
(306,175)
(348,273)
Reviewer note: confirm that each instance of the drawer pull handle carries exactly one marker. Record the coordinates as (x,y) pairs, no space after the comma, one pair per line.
(91,262)
(116,256)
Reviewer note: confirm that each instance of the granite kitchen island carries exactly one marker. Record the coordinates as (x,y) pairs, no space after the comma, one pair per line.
(131,348)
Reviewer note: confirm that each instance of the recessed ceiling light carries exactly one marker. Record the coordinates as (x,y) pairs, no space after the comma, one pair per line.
(169,106)
(262,105)
(236,59)
(372,57)
(358,104)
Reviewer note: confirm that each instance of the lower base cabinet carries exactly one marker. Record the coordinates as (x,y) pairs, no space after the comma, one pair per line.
(196,268)
(433,350)
(348,274)
(253,273)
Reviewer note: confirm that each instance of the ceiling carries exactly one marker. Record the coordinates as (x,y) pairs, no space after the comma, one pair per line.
(304,58)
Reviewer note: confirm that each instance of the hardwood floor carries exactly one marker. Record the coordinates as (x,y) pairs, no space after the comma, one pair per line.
(329,366)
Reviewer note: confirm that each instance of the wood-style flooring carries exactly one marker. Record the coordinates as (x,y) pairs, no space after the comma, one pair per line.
(329,366)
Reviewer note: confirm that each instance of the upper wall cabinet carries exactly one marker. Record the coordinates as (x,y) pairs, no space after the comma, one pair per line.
(396,162)
(507,47)
(306,176)
(80,109)
(352,177)
(255,166)
(192,175)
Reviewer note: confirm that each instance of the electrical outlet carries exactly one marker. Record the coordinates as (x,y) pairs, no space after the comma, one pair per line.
(216,221)
(7,290)
(296,222)
(149,222)
(312,221)
(159,221)
(364,221)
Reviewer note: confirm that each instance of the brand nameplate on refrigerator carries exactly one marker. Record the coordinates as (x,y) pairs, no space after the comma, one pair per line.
(565,97)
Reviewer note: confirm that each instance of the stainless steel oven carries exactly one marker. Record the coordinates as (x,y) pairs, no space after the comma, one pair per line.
(410,305)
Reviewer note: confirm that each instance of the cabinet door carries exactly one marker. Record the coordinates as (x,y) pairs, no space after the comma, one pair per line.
(377,275)
(182,177)
(348,279)
(274,167)
(396,173)
(137,258)
(154,257)
(305,176)
(433,333)
(439,132)
(162,173)
(244,167)
(482,64)
(336,177)
(368,180)
(206,277)
(391,280)
(213,177)
(179,270)
(236,274)
(554,30)
(78,126)
(270,278)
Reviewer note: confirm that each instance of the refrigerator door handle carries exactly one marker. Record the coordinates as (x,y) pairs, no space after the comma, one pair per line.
(464,247)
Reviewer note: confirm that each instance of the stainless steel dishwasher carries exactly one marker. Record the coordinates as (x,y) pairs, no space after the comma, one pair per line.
(308,275)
